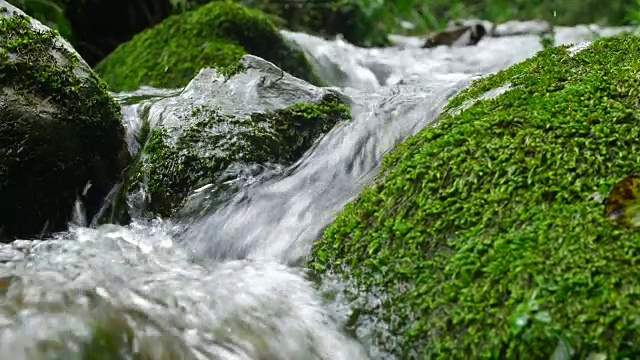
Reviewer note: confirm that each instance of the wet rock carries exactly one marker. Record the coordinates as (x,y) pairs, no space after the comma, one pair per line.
(509,28)
(261,115)
(468,32)
(61,137)
(480,233)
(457,36)
(215,35)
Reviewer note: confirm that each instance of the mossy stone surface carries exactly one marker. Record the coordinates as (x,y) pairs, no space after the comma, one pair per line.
(59,130)
(482,231)
(214,35)
(176,161)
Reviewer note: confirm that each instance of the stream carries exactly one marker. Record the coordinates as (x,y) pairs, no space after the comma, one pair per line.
(230,283)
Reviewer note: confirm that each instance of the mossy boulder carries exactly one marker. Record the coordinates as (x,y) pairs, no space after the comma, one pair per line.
(230,122)
(61,136)
(482,233)
(215,35)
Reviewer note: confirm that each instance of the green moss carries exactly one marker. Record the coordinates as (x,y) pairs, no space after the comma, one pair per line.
(470,218)
(214,35)
(60,129)
(173,164)
(300,125)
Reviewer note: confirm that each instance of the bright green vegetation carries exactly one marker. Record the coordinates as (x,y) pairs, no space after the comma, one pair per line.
(483,229)
(215,35)
(60,129)
(173,164)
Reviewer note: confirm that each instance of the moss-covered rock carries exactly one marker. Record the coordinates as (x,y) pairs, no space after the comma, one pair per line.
(59,130)
(483,233)
(200,142)
(214,35)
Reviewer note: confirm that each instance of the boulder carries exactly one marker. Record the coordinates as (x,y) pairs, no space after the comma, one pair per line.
(463,35)
(214,35)
(468,32)
(261,115)
(486,233)
(61,137)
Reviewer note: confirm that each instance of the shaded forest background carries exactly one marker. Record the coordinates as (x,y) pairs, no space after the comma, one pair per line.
(96,27)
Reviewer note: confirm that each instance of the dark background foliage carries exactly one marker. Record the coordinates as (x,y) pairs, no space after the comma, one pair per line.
(96,27)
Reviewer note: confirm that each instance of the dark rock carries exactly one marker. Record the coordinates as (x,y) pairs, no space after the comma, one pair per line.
(61,137)
(459,36)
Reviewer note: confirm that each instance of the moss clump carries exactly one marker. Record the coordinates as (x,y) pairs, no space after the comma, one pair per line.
(214,35)
(60,129)
(483,232)
(173,164)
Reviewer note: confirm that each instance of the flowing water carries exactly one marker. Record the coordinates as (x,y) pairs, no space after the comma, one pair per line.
(228,284)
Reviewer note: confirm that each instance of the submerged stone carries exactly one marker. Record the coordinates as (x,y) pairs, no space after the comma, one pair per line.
(481,235)
(215,35)
(61,137)
(261,115)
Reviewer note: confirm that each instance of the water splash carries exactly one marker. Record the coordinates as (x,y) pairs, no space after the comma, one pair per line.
(129,278)
(280,218)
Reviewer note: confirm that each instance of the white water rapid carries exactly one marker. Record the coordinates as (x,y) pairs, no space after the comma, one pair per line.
(228,284)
